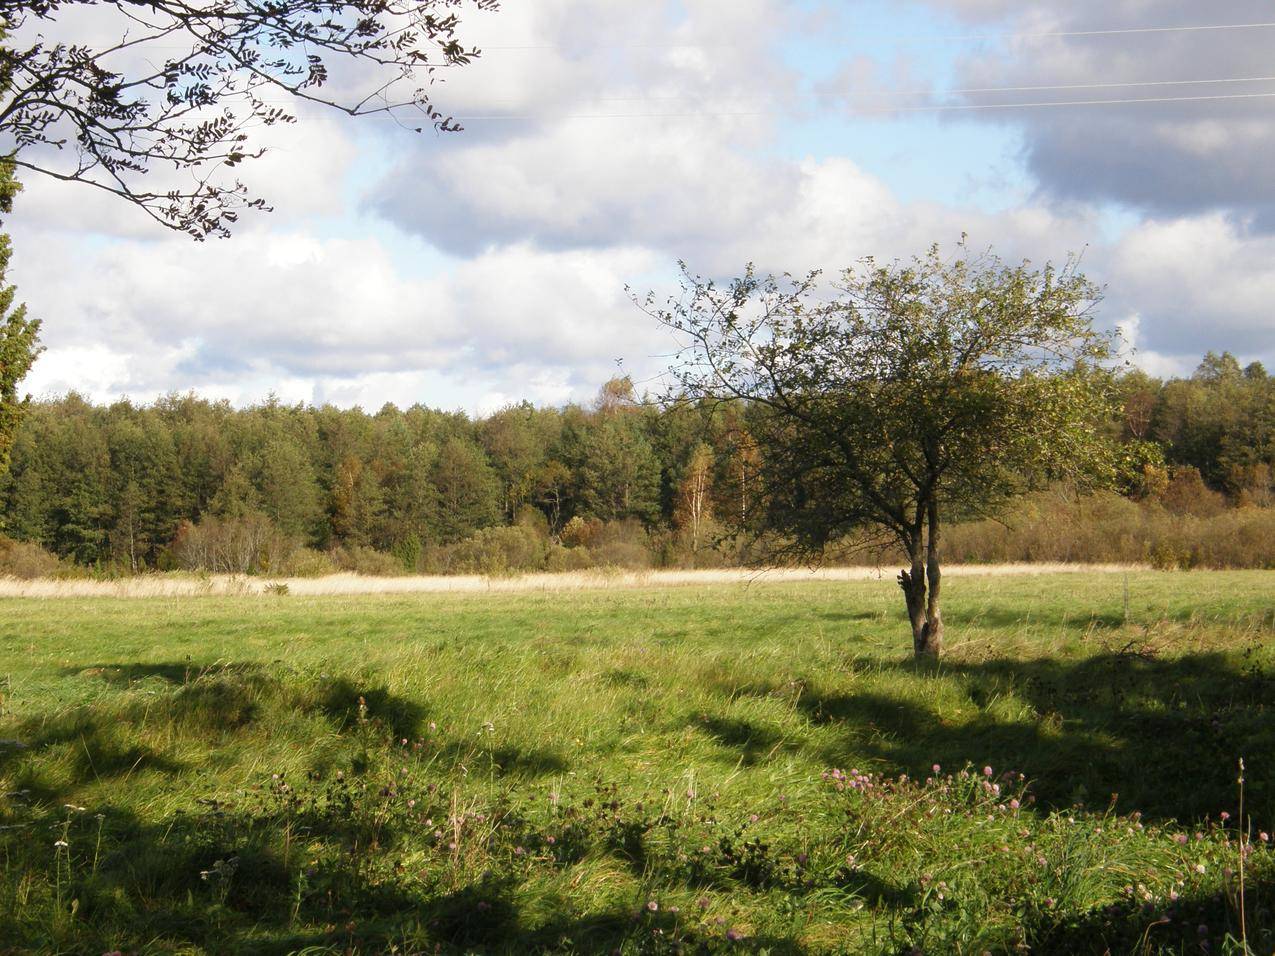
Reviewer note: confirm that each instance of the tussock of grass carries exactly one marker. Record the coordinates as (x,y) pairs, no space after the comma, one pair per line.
(291,775)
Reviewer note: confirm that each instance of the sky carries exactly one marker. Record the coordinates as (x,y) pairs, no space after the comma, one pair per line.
(605,140)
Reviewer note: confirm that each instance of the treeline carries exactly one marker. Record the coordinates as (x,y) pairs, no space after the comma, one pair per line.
(292,489)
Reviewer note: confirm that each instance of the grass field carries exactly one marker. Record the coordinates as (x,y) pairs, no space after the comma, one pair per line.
(658,769)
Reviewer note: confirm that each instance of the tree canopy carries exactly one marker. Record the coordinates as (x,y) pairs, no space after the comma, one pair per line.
(120,93)
(19,334)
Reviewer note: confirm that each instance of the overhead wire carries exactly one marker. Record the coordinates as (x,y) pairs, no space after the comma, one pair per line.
(936,108)
(940,38)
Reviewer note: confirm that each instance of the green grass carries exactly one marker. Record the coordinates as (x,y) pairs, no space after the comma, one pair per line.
(530,772)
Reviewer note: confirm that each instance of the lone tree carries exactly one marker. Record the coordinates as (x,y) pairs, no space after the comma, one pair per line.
(107,91)
(903,397)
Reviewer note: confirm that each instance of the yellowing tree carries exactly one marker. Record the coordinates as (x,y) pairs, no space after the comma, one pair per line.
(694,508)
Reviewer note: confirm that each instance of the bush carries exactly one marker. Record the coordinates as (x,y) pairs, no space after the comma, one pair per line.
(1187,494)
(562,558)
(25,560)
(307,563)
(495,551)
(621,544)
(248,545)
(367,561)
(1105,528)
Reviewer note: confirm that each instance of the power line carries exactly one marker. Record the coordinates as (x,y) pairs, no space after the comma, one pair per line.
(1072,86)
(1107,102)
(936,38)
(966,90)
(942,108)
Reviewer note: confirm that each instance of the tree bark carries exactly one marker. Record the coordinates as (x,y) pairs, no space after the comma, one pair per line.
(933,611)
(921,590)
(913,585)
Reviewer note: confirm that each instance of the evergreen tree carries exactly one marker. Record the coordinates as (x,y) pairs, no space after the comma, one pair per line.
(619,474)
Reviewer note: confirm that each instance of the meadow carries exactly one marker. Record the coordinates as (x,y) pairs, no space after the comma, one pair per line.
(725,767)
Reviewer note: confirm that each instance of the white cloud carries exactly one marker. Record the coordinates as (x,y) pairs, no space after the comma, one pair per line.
(544,223)
(275,312)
(1199,283)
(1201,141)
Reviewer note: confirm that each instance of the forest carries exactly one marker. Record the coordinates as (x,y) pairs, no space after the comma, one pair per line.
(627,481)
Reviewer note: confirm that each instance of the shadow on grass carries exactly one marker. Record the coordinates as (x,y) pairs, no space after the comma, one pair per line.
(1203,923)
(224,881)
(751,741)
(1164,734)
(347,702)
(170,672)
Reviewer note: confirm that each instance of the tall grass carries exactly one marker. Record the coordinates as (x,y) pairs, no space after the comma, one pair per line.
(191,585)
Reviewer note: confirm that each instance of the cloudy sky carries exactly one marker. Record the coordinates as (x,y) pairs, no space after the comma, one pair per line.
(606,139)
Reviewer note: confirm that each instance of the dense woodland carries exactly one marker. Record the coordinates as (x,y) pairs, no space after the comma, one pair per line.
(293,489)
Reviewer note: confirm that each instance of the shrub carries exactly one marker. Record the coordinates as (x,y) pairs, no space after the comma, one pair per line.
(1107,528)
(367,561)
(307,563)
(500,550)
(247,545)
(1187,494)
(621,544)
(561,558)
(408,551)
(25,560)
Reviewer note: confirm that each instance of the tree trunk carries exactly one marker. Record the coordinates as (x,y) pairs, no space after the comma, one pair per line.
(933,611)
(913,585)
(922,581)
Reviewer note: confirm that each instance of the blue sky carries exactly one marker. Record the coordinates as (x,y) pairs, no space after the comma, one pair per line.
(475,269)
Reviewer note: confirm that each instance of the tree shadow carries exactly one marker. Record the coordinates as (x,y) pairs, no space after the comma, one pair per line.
(223,880)
(751,741)
(1165,735)
(1194,923)
(348,703)
(170,672)
(92,752)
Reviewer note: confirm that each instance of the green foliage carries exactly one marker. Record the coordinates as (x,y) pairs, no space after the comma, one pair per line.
(960,383)
(911,396)
(619,474)
(529,772)
(109,486)
(19,335)
(467,487)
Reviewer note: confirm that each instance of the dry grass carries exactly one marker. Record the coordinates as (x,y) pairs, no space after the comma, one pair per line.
(183,585)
